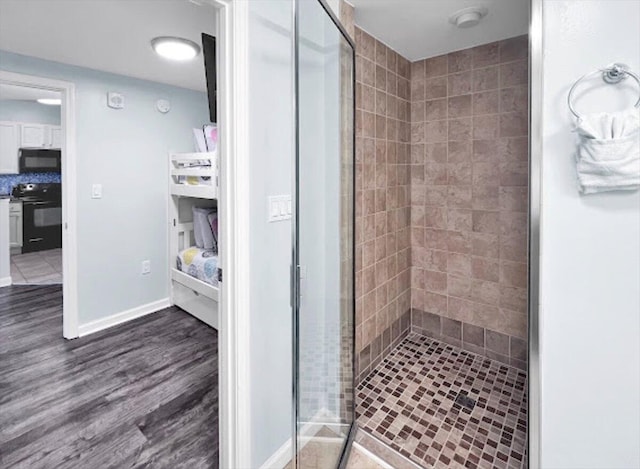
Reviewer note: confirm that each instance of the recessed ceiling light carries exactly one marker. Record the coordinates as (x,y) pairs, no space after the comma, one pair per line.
(50,101)
(468,17)
(175,48)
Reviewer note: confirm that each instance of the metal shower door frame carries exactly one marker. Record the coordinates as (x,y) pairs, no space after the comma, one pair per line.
(295,278)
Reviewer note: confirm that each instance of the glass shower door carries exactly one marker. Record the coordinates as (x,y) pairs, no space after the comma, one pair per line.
(324,234)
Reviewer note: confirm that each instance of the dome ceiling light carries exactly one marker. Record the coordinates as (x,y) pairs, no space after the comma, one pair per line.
(175,48)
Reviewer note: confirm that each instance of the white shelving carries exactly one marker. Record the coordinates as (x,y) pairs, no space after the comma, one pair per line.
(194,166)
(198,298)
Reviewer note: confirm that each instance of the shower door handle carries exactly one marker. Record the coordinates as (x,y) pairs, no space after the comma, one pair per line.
(294,273)
(297,273)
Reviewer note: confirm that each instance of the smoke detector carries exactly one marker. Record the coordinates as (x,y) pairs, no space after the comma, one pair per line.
(468,17)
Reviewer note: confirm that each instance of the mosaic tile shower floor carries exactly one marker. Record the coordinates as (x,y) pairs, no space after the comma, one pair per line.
(409,403)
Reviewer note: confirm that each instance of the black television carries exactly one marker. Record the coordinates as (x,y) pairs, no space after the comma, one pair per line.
(210,69)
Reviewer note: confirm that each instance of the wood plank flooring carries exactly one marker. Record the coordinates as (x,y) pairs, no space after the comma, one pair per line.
(140,395)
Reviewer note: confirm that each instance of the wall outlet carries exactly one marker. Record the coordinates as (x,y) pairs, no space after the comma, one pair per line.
(146,267)
(280,208)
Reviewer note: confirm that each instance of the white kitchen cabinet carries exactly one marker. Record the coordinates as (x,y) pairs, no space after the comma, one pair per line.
(56,137)
(34,136)
(15,224)
(9,144)
(41,136)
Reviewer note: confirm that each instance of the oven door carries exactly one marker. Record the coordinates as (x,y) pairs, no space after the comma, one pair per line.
(41,225)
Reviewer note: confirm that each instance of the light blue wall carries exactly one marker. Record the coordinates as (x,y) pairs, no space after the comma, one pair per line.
(127,152)
(29,111)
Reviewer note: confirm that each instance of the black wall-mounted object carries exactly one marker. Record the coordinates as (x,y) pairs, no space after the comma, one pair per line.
(33,160)
(210,68)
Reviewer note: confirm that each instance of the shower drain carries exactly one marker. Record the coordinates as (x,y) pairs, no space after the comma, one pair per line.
(465,401)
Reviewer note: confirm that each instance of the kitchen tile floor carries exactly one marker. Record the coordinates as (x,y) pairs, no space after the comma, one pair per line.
(37,268)
(443,407)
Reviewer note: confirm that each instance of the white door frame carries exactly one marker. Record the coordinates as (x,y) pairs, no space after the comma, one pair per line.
(233,332)
(69,227)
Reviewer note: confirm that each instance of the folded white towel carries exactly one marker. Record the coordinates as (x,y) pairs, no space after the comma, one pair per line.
(608,157)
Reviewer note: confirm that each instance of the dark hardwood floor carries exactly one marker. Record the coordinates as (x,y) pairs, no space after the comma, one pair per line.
(142,394)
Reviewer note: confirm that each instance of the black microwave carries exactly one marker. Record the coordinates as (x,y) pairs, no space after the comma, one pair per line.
(39,161)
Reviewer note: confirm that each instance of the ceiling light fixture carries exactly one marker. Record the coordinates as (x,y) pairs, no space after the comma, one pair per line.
(468,17)
(50,101)
(175,48)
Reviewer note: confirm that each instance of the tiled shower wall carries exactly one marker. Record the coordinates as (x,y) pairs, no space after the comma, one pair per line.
(469,176)
(441,198)
(383,210)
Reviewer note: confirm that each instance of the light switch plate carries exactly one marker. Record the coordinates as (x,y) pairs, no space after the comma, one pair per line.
(96,191)
(279,208)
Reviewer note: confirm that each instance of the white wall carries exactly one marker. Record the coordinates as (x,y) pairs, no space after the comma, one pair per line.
(590,266)
(271,153)
(29,111)
(127,152)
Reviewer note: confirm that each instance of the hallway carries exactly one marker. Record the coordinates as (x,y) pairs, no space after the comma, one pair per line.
(141,394)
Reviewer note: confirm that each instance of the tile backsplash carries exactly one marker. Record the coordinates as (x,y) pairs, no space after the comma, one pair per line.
(7,181)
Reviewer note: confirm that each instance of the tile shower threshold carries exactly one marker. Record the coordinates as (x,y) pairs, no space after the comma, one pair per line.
(385,453)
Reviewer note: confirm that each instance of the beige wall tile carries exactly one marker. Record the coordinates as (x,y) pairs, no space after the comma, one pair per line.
(486,78)
(460,83)
(442,174)
(459,61)
(383,184)
(436,66)
(485,55)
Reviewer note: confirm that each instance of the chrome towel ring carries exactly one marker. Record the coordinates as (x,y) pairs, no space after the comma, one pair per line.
(612,75)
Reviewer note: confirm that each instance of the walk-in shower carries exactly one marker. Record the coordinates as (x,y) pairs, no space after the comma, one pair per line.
(422,302)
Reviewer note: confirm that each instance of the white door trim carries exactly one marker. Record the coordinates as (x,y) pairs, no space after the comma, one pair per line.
(69,181)
(233,335)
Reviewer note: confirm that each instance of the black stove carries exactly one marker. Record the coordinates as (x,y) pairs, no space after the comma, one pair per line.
(41,215)
(32,191)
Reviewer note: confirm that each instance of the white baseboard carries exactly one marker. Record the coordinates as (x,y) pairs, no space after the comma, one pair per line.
(124,316)
(280,458)
(5,281)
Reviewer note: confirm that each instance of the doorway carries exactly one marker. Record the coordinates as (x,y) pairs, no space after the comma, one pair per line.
(46,212)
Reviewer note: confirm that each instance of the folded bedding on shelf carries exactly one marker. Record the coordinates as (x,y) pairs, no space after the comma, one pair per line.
(205,227)
(199,263)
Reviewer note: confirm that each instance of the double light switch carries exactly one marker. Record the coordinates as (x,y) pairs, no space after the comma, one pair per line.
(280,208)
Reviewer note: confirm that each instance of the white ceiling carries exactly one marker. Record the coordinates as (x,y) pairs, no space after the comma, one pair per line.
(418,29)
(23,93)
(108,35)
